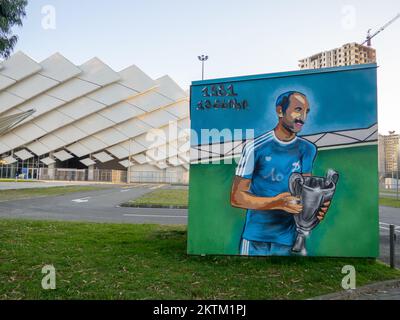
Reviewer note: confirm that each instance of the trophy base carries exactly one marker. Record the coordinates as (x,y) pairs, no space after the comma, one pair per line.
(299,246)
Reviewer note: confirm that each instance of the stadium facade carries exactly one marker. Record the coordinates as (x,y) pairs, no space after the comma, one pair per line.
(89,122)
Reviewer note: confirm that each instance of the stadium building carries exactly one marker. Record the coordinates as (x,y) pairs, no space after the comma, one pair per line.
(66,122)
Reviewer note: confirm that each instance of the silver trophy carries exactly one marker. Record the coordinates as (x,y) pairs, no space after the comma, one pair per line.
(313,193)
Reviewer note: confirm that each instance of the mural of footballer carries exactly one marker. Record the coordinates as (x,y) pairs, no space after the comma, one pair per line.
(261,183)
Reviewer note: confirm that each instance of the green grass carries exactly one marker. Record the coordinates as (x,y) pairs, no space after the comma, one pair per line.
(167,198)
(110,261)
(389,202)
(16,180)
(17,194)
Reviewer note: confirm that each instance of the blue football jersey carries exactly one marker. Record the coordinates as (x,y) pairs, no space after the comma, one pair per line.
(269,162)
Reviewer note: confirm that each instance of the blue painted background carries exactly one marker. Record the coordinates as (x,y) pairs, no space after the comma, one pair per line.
(340,99)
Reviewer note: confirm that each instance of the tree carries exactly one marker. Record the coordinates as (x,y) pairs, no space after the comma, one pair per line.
(11,14)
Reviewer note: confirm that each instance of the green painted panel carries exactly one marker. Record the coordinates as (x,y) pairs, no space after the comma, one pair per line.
(350,228)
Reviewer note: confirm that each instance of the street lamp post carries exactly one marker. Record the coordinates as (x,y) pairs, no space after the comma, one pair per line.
(203,58)
(128,178)
(397,174)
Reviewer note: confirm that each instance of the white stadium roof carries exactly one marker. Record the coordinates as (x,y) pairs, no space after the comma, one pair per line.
(89,111)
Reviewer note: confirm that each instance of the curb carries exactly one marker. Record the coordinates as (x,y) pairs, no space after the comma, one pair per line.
(152,206)
(378,287)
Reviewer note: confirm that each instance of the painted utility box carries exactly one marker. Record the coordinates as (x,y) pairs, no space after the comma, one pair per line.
(285,164)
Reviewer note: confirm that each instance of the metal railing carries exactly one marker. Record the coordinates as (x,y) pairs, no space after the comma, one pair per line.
(97,175)
(389,185)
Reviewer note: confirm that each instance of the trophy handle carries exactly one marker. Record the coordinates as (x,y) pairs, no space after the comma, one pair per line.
(332,176)
(296,182)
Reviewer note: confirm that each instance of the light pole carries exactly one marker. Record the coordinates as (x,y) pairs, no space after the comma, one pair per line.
(397,174)
(203,59)
(128,178)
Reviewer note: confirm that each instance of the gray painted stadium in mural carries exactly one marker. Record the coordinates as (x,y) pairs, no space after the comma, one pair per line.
(59,121)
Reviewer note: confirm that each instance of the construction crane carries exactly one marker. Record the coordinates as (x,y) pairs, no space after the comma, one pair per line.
(370,37)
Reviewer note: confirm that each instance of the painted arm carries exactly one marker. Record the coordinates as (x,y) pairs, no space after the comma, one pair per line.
(242,198)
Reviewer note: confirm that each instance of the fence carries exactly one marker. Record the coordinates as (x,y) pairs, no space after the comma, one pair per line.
(159,177)
(97,175)
(389,184)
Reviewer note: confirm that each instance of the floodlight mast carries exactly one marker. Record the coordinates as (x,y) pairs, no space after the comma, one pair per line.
(202,58)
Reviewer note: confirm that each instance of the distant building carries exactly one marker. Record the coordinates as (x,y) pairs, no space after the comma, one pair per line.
(61,121)
(347,55)
(381,155)
(388,153)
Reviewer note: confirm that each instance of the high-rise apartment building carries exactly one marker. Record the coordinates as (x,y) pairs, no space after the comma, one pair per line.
(348,54)
(389,153)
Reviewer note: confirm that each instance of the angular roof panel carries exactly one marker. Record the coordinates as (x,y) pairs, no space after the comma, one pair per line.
(32,86)
(113,93)
(141,158)
(9,100)
(81,107)
(136,79)
(87,110)
(103,157)
(38,148)
(88,162)
(96,71)
(170,88)
(19,66)
(126,163)
(73,89)
(59,68)
(48,161)
(78,149)
(24,154)
(6,82)
(9,160)
(150,101)
(63,155)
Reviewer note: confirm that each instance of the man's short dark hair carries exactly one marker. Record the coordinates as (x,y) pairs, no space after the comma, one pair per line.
(284,99)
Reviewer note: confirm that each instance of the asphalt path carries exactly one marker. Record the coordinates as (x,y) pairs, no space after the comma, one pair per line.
(93,206)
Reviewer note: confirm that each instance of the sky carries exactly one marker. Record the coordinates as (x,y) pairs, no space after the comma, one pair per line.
(240,37)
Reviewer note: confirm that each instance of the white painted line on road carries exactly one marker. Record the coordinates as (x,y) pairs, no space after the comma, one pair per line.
(385,228)
(81,200)
(130,186)
(126,190)
(156,187)
(153,215)
(387,224)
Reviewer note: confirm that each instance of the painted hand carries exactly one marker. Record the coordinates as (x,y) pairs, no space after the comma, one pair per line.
(324,209)
(286,202)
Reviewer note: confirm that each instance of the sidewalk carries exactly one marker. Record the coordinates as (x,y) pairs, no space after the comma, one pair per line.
(387,290)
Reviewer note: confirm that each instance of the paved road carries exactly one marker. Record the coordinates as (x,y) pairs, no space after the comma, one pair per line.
(93,206)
